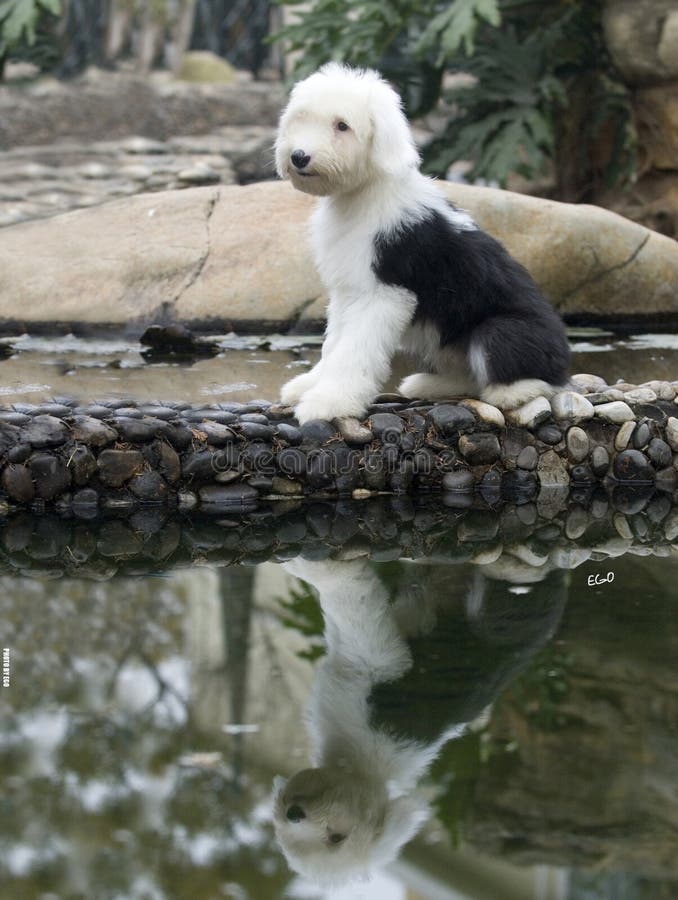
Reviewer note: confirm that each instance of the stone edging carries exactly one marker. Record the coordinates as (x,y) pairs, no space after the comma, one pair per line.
(123,455)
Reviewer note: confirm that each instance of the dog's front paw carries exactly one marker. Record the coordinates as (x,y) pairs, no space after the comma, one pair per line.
(325,404)
(293,391)
(416,387)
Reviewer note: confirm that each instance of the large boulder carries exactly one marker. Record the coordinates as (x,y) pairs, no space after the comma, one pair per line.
(240,257)
(642,37)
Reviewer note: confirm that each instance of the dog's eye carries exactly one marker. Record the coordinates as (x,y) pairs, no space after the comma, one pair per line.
(336,838)
(342,126)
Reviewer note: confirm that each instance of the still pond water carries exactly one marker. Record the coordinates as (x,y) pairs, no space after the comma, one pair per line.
(483,701)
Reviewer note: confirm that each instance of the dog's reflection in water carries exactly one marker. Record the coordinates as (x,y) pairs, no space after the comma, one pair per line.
(406,669)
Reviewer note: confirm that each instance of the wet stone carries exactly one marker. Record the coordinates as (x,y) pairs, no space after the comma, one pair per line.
(660,453)
(261,482)
(589,383)
(19,453)
(59,410)
(479,449)
(386,425)
(461,480)
(82,464)
(631,465)
(641,436)
(18,483)
(222,416)
(92,431)
(527,458)
(577,444)
(600,461)
(93,410)
(129,412)
(640,395)
(215,496)
(254,431)
(217,434)
(178,434)
(616,412)
(672,433)
(289,433)
(531,414)
(13,418)
(292,462)
(518,484)
(136,431)
(449,419)
(666,479)
(86,498)
(623,436)
(549,434)
(50,475)
(486,413)
(166,413)
(582,474)
(45,431)
(257,418)
(318,432)
(168,462)
(118,466)
(572,406)
(149,486)
(201,465)
(286,486)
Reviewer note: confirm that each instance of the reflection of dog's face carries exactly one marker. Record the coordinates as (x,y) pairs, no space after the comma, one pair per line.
(327,820)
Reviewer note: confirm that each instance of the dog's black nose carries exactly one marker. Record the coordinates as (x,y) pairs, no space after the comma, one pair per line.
(300,159)
(295,813)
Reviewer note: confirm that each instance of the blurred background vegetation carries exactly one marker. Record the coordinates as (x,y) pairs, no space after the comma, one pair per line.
(521,93)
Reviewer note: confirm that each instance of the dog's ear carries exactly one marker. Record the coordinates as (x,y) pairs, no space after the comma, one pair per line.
(393,147)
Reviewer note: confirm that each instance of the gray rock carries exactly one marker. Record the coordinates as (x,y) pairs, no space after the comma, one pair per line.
(92,431)
(632,466)
(291,434)
(641,435)
(616,412)
(551,470)
(527,458)
(149,486)
(572,406)
(118,466)
(169,463)
(460,480)
(549,434)
(479,448)
(672,433)
(215,497)
(82,464)
(600,461)
(387,426)
(449,420)
(318,432)
(45,431)
(353,432)
(532,413)
(485,412)
(660,453)
(640,395)
(589,383)
(18,483)
(623,436)
(577,444)
(50,475)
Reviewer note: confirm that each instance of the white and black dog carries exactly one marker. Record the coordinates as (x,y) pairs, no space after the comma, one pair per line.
(404,268)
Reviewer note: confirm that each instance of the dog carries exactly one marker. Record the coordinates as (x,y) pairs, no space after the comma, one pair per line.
(406,670)
(404,268)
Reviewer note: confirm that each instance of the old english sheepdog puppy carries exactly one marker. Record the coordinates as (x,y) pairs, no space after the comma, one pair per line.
(404,268)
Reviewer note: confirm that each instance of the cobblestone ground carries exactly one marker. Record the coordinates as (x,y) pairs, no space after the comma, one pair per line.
(37,182)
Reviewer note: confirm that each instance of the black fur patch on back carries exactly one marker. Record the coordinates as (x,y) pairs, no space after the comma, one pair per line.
(467,284)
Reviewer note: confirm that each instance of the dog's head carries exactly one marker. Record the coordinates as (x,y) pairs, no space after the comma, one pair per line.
(341,129)
(333,826)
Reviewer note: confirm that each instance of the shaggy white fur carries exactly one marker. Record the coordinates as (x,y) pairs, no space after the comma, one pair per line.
(344,138)
(360,801)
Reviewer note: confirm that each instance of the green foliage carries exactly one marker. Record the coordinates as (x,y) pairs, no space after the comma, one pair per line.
(19,20)
(303,615)
(531,63)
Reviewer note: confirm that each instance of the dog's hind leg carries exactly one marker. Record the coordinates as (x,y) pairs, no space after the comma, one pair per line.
(452,378)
